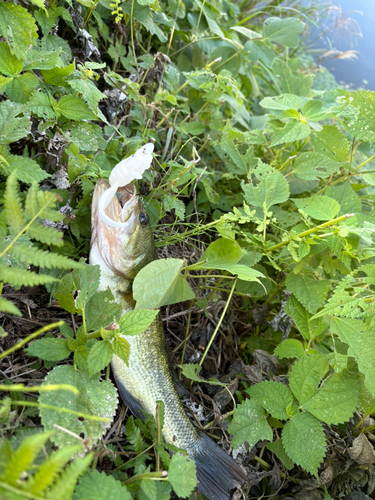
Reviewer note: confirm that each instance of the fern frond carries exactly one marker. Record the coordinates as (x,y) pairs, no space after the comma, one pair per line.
(41,258)
(51,467)
(21,277)
(23,458)
(13,206)
(31,203)
(47,202)
(45,234)
(64,486)
(8,307)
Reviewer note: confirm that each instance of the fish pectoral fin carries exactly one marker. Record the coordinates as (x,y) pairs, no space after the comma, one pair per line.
(130,401)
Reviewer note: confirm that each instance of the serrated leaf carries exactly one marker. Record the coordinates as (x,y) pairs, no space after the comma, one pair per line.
(26,169)
(249,424)
(64,486)
(293,131)
(101,310)
(304,441)
(84,281)
(18,27)
(360,339)
(148,487)
(49,349)
(97,485)
(314,166)
(182,475)
(12,126)
(18,277)
(45,234)
(40,105)
(290,348)
(121,348)
(306,375)
(136,322)
(8,307)
(278,449)
(74,108)
(310,292)
(271,190)
(42,258)
(339,362)
(99,356)
(336,400)
(362,124)
(154,284)
(95,398)
(284,31)
(21,87)
(274,397)
(307,327)
(86,136)
(41,59)
(348,199)
(9,64)
(13,206)
(58,76)
(281,102)
(331,142)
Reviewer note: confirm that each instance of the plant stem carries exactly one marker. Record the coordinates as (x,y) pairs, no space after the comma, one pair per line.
(155,476)
(219,323)
(311,231)
(31,337)
(132,33)
(38,388)
(61,410)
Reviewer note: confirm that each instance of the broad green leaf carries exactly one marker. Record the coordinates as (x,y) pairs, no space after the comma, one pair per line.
(53,43)
(245,273)
(339,362)
(348,199)
(101,310)
(74,108)
(121,348)
(318,207)
(249,424)
(49,349)
(290,348)
(89,91)
(41,59)
(99,356)
(136,322)
(26,169)
(181,292)
(9,64)
(308,328)
(148,488)
(314,166)
(12,125)
(362,124)
(230,60)
(18,27)
(58,76)
(290,83)
(284,31)
(194,128)
(336,400)
(97,485)
(155,283)
(191,372)
(293,131)
(84,281)
(228,146)
(278,449)
(331,142)
(306,375)
(271,190)
(63,488)
(360,339)
(219,254)
(304,441)
(181,475)
(40,105)
(310,292)
(87,136)
(21,87)
(312,111)
(281,102)
(250,34)
(274,397)
(98,399)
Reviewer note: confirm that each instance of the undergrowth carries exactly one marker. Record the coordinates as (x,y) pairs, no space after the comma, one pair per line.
(267,181)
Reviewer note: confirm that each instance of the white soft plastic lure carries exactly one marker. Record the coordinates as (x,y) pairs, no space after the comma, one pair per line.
(124,172)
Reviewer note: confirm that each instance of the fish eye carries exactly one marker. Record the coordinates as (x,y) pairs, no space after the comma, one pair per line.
(143,218)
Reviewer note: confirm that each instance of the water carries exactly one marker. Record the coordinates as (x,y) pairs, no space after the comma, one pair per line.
(358,72)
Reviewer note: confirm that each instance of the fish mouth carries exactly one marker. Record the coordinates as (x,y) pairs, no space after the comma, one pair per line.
(113,205)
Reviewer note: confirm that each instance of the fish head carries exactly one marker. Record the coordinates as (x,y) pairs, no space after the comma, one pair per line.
(121,238)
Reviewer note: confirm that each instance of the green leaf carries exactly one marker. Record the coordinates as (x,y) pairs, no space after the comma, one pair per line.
(181,475)
(278,449)
(290,83)
(26,169)
(39,104)
(308,328)
(336,400)
(64,486)
(361,124)
(13,206)
(312,111)
(154,284)
(348,199)
(274,397)
(293,131)
(290,348)
(318,207)
(230,60)
(331,142)
(219,254)
(148,487)
(121,348)
(8,307)
(249,424)
(306,375)
(41,258)
(45,234)
(12,126)
(9,64)
(74,108)
(271,190)
(310,292)
(250,34)
(21,87)
(180,293)
(101,310)
(284,31)
(84,281)
(41,59)
(228,146)
(86,136)
(360,339)
(97,485)
(58,76)
(99,356)
(314,166)
(281,102)
(245,273)
(95,398)
(49,349)
(194,128)
(304,441)
(136,322)
(18,27)
(21,277)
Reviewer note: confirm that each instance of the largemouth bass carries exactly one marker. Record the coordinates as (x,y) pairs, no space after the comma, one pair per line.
(122,245)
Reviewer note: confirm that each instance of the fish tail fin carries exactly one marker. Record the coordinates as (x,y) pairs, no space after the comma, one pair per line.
(217,472)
